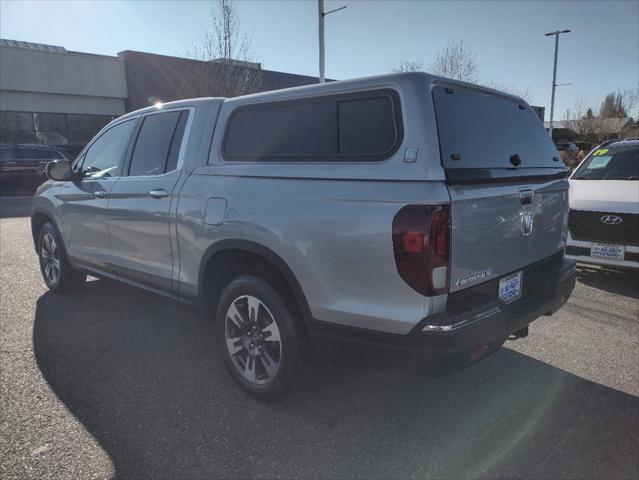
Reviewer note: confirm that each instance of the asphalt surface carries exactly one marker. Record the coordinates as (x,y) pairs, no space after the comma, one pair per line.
(109,381)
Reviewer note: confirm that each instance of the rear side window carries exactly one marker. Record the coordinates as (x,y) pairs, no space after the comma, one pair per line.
(178,136)
(355,127)
(481,130)
(366,126)
(303,129)
(158,143)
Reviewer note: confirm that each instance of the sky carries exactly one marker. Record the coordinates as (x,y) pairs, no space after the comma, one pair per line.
(599,56)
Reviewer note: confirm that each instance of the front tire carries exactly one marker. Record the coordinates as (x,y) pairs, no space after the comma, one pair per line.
(54,266)
(257,338)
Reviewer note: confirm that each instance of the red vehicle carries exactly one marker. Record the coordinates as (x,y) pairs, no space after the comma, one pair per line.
(22,167)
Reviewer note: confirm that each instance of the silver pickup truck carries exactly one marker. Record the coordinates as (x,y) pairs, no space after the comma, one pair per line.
(405,211)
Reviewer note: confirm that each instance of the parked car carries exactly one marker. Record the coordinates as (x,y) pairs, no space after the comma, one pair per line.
(405,211)
(604,206)
(22,167)
(587,146)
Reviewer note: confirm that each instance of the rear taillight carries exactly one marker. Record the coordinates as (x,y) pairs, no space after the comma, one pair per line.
(421,243)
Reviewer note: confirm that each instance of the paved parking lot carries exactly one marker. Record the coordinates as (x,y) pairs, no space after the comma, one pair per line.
(112,382)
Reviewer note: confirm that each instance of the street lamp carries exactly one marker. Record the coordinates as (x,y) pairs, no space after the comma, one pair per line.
(322,14)
(554,75)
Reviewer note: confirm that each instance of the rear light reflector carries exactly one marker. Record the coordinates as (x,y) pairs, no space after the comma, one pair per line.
(421,244)
(439,232)
(413,242)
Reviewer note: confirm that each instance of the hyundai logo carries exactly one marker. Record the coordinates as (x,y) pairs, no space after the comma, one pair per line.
(611,220)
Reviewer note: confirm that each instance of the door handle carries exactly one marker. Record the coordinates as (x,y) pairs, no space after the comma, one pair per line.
(100,193)
(525,197)
(158,193)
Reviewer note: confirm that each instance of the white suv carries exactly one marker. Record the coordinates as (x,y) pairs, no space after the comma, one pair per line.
(603,222)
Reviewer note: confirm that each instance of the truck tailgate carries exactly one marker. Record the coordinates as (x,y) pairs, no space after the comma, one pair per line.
(509,194)
(500,228)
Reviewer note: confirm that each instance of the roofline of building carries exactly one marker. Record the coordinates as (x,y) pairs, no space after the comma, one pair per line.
(206,61)
(562,122)
(65,52)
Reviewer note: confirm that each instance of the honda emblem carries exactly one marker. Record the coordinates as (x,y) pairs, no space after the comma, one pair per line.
(526,223)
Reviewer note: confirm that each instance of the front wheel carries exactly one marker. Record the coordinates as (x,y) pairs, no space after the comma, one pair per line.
(257,338)
(54,266)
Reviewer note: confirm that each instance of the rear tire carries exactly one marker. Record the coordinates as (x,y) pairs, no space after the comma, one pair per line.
(257,338)
(56,271)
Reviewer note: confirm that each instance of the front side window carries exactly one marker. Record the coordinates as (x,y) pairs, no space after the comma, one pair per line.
(158,143)
(363,126)
(615,163)
(106,155)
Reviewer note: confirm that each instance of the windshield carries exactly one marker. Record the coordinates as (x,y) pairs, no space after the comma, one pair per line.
(615,163)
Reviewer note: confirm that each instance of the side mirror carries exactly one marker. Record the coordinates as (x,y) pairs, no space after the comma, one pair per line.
(58,170)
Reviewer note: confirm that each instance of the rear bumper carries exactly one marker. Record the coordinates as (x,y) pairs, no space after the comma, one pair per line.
(579,250)
(455,331)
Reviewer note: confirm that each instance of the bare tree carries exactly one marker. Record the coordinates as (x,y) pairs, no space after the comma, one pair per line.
(456,61)
(612,106)
(408,66)
(581,120)
(225,64)
(618,104)
(225,41)
(631,101)
(606,125)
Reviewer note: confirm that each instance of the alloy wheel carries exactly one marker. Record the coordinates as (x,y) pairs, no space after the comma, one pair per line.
(253,339)
(50,258)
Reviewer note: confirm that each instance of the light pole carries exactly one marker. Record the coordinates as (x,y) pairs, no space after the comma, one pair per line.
(321,15)
(554,76)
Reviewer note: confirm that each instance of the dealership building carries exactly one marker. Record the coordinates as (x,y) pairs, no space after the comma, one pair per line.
(52,96)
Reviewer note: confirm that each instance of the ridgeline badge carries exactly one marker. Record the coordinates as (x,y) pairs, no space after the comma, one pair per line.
(474,277)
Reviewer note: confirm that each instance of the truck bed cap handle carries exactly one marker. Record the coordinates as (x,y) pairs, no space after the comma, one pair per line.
(158,193)
(525,196)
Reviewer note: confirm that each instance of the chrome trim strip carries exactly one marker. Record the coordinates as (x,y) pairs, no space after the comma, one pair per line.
(462,323)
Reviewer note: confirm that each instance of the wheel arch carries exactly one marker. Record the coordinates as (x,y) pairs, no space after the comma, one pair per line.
(38,219)
(264,260)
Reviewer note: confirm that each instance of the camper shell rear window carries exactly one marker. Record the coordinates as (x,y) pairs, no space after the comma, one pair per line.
(483,130)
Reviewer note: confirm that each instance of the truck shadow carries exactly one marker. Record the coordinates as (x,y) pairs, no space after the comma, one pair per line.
(142,375)
(621,282)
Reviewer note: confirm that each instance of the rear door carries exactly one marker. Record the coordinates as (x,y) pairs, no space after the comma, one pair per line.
(140,202)
(509,194)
